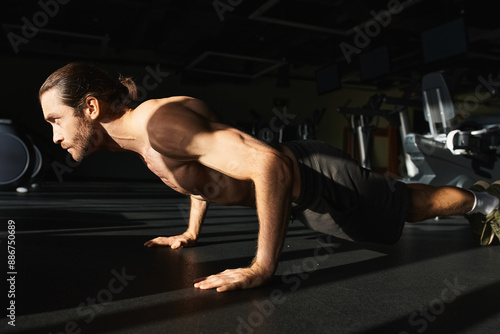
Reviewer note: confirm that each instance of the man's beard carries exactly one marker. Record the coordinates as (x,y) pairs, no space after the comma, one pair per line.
(85,140)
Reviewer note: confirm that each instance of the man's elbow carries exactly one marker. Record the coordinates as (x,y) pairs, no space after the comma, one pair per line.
(282,171)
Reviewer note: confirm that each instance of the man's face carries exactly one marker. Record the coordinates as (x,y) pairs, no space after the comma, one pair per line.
(74,134)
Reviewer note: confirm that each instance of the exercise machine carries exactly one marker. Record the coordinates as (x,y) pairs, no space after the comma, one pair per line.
(279,130)
(453,151)
(362,126)
(20,159)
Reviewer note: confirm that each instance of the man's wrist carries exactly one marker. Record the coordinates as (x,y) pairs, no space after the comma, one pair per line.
(191,235)
(266,269)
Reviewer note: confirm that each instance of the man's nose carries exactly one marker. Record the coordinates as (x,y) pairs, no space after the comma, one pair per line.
(57,138)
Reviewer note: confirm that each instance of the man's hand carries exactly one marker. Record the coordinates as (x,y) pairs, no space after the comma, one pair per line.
(184,240)
(232,279)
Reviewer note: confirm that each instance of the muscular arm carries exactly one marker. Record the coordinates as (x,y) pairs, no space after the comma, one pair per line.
(271,174)
(240,156)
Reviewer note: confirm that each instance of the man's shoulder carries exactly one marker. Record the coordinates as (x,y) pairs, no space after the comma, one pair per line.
(163,103)
(175,106)
(172,124)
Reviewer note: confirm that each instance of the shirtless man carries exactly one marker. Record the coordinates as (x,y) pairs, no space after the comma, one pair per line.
(181,141)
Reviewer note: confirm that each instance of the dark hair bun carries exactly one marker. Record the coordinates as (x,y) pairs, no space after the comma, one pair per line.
(131,87)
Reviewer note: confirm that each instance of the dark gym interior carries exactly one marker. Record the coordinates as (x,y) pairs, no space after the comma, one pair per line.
(356,74)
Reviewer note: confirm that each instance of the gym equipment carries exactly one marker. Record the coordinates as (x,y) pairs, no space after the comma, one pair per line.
(308,129)
(279,130)
(451,153)
(20,159)
(362,127)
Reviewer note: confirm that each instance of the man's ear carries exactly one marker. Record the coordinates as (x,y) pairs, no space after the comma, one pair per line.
(92,108)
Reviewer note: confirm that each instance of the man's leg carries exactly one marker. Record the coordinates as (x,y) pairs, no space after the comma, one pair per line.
(430,201)
(480,205)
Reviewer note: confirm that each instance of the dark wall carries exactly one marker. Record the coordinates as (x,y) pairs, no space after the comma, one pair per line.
(232,101)
(22,78)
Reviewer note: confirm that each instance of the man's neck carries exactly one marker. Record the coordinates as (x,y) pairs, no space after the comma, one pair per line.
(119,134)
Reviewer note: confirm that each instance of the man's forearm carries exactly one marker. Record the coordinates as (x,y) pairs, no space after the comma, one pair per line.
(273,199)
(197,215)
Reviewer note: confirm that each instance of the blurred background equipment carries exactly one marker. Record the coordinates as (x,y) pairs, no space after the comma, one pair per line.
(20,159)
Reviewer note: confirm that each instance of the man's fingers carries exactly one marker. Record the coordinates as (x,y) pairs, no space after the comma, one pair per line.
(206,282)
(228,287)
(201,283)
(200,279)
(173,242)
(151,242)
(222,282)
(219,286)
(176,244)
(160,241)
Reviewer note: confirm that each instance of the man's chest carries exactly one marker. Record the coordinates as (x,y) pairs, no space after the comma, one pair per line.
(183,177)
(192,178)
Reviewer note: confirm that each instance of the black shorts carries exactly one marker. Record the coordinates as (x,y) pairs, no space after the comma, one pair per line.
(341,198)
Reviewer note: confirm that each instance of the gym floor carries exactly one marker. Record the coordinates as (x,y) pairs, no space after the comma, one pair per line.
(82,268)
